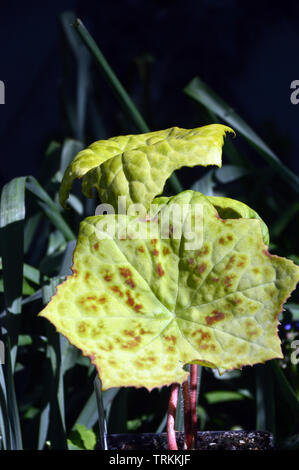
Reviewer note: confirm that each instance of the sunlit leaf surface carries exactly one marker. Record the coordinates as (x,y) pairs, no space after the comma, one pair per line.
(137,166)
(143,308)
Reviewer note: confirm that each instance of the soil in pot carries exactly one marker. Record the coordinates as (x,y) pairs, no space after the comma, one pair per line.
(208,440)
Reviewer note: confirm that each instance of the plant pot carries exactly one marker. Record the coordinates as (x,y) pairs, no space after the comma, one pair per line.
(207,440)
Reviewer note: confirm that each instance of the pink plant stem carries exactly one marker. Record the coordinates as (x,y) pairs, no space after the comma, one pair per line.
(172,407)
(193,386)
(187,415)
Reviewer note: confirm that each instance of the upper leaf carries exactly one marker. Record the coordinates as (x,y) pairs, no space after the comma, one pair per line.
(137,166)
(142,308)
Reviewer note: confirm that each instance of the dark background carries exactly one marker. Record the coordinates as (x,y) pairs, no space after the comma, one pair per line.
(247,52)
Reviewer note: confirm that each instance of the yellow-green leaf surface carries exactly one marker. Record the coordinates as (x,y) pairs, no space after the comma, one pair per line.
(232,209)
(137,166)
(143,308)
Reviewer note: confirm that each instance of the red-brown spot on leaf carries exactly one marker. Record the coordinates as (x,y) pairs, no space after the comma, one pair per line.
(129,333)
(108,277)
(141,249)
(221,240)
(160,270)
(215,279)
(203,251)
(130,300)
(165,251)
(171,338)
(191,261)
(230,262)
(215,317)
(117,290)
(131,344)
(227,281)
(82,328)
(137,307)
(144,332)
(204,335)
(131,283)
(237,301)
(87,275)
(155,252)
(125,272)
(201,268)
(152,359)
(96,246)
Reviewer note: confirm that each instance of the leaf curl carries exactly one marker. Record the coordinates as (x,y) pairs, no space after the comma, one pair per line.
(137,166)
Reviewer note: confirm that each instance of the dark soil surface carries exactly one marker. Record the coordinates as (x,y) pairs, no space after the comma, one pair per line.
(208,440)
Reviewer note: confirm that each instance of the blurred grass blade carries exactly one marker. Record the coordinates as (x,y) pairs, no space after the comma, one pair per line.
(83,61)
(43,426)
(265,404)
(12,214)
(101,413)
(111,78)
(286,390)
(31,225)
(205,184)
(88,416)
(200,92)
(69,150)
(179,418)
(283,221)
(294,309)
(12,406)
(31,273)
(162,425)
(49,207)
(229,173)
(124,99)
(108,400)
(58,352)
(221,396)
(67,261)
(5,428)
(57,430)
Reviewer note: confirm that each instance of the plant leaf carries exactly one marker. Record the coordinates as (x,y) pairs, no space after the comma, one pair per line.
(229,208)
(137,166)
(143,306)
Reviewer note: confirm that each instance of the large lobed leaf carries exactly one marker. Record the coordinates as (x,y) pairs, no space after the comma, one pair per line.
(143,308)
(137,166)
